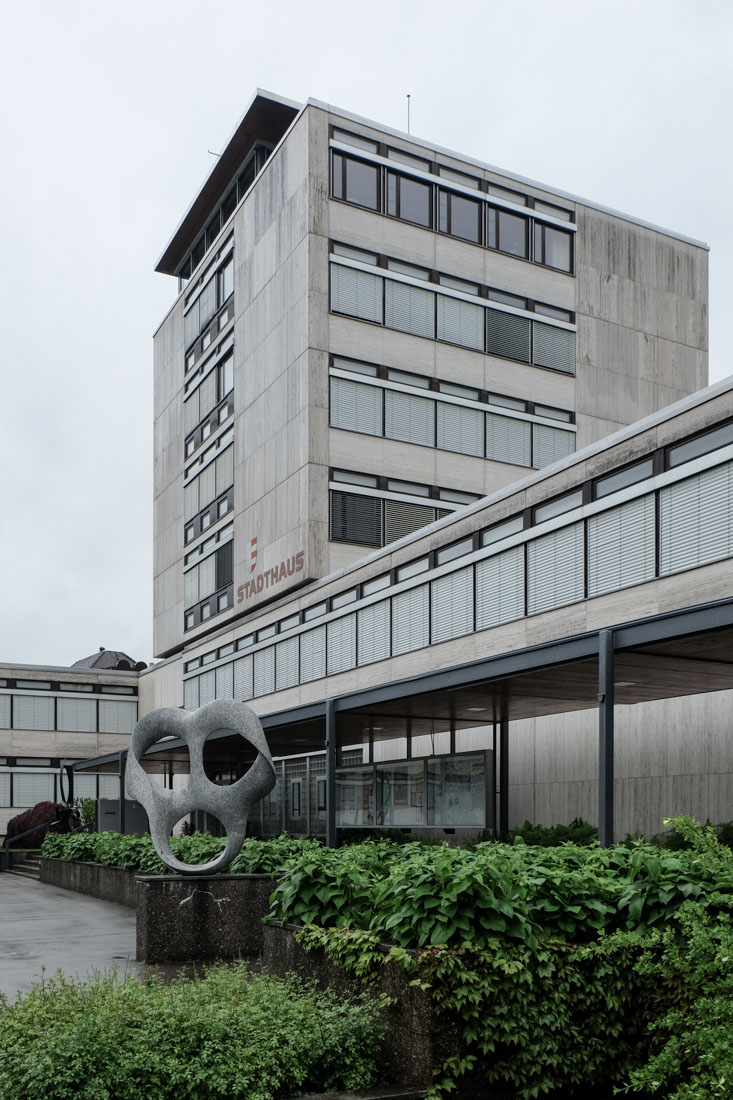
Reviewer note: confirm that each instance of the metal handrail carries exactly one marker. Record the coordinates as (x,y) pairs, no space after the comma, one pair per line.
(13,839)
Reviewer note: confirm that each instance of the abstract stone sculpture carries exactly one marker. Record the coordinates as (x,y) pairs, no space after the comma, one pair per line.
(231,804)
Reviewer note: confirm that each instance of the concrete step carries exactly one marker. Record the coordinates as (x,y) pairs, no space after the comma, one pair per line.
(30,867)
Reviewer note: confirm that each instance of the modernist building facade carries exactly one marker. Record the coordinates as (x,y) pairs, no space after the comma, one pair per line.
(52,716)
(375,343)
(371,333)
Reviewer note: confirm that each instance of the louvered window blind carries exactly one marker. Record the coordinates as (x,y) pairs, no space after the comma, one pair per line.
(117,716)
(373,633)
(402,518)
(264,671)
(76,715)
(553,347)
(356,293)
(356,407)
(191,693)
(508,440)
(207,688)
(695,520)
(500,588)
(460,322)
(410,622)
(313,654)
(341,647)
(507,335)
(4,712)
(286,664)
(30,789)
(32,712)
(556,566)
(409,309)
(356,519)
(409,418)
(225,682)
(550,445)
(243,678)
(621,546)
(460,429)
(452,605)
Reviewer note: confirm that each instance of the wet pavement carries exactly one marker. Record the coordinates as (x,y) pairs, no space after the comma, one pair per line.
(44,929)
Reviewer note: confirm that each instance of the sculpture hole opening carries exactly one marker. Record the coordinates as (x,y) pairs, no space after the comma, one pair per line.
(205,824)
(168,763)
(227,758)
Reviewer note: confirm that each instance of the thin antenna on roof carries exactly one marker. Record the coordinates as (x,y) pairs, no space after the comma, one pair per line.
(408,112)
(213,153)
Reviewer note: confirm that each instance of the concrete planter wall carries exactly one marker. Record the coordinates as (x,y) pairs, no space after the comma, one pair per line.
(417,1039)
(212,917)
(107,883)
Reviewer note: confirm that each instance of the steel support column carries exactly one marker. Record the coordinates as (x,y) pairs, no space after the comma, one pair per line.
(605,737)
(330,774)
(121,804)
(503,776)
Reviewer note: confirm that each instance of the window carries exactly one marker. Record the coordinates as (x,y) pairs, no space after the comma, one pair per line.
(553,347)
(553,247)
(402,518)
(409,199)
(460,429)
(621,546)
(500,585)
(558,506)
(356,407)
(409,309)
(409,418)
(226,280)
(357,181)
(508,440)
(508,232)
(556,568)
(213,480)
(460,322)
(212,297)
(452,605)
(550,445)
(356,293)
(612,483)
(341,644)
(700,445)
(356,519)
(373,633)
(210,576)
(507,335)
(459,216)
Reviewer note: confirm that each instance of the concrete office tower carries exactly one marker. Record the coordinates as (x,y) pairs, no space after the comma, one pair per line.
(371,332)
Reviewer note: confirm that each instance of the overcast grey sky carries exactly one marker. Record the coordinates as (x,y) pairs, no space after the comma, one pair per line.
(108,113)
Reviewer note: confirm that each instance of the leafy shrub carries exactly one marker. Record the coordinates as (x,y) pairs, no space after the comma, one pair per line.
(138,854)
(226,1034)
(577,832)
(416,896)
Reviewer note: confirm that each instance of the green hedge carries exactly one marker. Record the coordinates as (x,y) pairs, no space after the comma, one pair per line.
(136,853)
(415,896)
(571,971)
(226,1034)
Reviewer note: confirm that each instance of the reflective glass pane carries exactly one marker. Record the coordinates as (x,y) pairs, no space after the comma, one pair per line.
(415,201)
(464,218)
(361,183)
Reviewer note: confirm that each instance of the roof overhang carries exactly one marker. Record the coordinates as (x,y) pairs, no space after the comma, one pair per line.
(666,656)
(266,119)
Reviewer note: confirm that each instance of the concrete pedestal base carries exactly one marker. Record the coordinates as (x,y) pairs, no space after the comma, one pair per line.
(217,917)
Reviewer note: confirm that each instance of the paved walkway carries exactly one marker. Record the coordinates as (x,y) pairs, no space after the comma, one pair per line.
(44,927)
